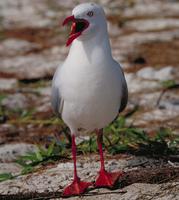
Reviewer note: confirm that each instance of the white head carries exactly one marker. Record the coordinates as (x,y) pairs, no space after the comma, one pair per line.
(88,19)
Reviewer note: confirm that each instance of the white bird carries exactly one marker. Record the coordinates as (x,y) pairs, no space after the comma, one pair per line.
(89,88)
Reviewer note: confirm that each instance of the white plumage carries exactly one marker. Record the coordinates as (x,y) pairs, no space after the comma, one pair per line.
(90,82)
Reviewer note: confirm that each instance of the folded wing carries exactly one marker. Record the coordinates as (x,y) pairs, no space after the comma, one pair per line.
(56,99)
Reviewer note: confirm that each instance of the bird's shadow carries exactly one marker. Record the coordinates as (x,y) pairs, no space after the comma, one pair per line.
(91,191)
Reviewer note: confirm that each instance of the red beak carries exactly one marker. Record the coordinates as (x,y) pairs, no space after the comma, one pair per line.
(68,19)
(77,27)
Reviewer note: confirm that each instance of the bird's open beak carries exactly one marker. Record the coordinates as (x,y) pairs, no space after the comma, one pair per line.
(77,27)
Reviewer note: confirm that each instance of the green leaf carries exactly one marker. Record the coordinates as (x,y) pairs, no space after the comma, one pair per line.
(162,134)
(31,156)
(92,144)
(118,149)
(121,121)
(50,149)
(5,176)
(168,83)
(42,150)
(140,134)
(39,156)
(21,162)
(27,169)
(2,96)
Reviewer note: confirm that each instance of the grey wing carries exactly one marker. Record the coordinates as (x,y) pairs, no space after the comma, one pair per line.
(124,99)
(56,99)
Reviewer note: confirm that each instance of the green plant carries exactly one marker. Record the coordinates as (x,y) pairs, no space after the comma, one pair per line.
(42,155)
(119,139)
(2,96)
(88,146)
(6,176)
(168,83)
(30,160)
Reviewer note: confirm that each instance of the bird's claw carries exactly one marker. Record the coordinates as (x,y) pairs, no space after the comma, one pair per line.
(107,179)
(77,187)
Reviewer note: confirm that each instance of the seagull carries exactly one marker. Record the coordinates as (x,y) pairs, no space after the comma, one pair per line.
(89,89)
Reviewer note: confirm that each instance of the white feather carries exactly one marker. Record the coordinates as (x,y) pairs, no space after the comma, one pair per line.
(90,80)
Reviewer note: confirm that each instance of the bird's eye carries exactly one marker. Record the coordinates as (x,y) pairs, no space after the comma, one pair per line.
(90,13)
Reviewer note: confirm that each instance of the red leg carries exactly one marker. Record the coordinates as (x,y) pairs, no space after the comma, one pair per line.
(77,187)
(105,179)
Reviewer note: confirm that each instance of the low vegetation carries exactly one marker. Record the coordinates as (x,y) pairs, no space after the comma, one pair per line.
(118,138)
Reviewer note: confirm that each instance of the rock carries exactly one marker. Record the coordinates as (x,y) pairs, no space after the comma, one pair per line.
(13,47)
(7,84)
(151,191)
(153,24)
(172,105)
(152,9)
(128,47)
(138,38)
(147,73)
(45,91)
(13,168)
(152,74)
(12,12)
(68,4)
(10,152)
(114,30)
(155,117)
(55,178)
(29,67)
(136,84)
(45,106)
(116,52)
(15,101)
(68,165)
(169,101)
(146,100)
(7,128)
(113,165)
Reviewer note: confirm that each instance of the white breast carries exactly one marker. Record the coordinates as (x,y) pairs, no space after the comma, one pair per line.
(91,94)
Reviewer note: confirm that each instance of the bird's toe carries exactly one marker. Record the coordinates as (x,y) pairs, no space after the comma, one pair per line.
(107,179)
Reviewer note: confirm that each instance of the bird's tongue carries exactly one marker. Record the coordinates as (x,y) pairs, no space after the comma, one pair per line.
(73,35)
(73,28)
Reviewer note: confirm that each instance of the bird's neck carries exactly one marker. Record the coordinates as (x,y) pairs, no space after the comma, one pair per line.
(95,49)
